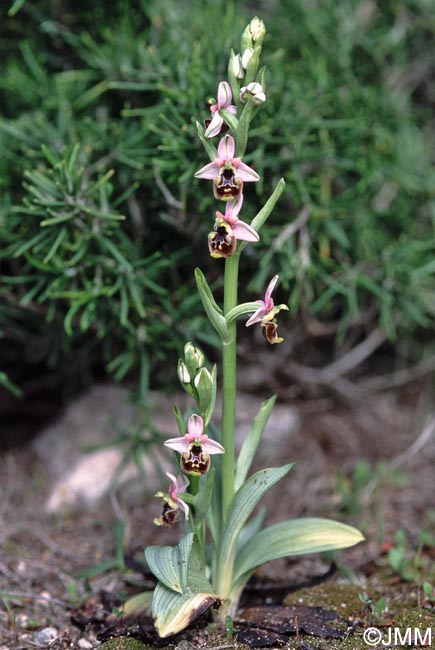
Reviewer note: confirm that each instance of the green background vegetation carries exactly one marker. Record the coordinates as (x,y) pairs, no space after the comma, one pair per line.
(99,103)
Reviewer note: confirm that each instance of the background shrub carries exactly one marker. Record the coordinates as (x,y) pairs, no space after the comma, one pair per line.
(102,222)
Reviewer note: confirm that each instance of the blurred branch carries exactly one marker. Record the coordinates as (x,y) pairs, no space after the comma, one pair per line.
(342,365)
(292,228)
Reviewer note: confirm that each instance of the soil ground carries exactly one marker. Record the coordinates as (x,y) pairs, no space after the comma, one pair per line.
(369,471)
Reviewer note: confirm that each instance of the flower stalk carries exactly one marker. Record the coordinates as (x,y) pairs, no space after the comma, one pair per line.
(229,383)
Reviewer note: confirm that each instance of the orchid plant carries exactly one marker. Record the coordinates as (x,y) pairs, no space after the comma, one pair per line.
(214,500)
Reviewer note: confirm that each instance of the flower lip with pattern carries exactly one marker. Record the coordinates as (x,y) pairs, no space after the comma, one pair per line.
(228,229)
(227,172)
(224,99)
(172,502)
(195,447)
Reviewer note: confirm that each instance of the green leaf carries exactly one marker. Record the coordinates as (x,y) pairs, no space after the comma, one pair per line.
(173,612)
(244,501)
(213,311)
(170,563)
(260,219)
(252,441)
(208,146)
(182,427)
(295,537)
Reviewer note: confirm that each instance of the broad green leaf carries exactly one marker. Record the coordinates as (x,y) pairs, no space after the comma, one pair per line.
(173,612)
(252,441)
(253,526)
(170,563)
(295,537)
(245,500)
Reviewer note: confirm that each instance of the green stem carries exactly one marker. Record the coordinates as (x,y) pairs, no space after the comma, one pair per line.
(197,528)
(229,357)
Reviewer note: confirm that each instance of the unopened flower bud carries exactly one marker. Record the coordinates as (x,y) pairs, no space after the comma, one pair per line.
(246,40)
(235,66)
(255,90)
(204,386)
(257,30)
(194,358)
(183,373)
(246,57)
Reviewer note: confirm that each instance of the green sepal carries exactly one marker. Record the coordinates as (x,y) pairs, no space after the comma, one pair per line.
(244,501)
(252,67)
(242,132)
(295,537)
(213,311)
(261,78)
(206,385)
(252,441)
(208,145)
(260,219)
(241,310)
(234,82)
(230,119)
(170,563)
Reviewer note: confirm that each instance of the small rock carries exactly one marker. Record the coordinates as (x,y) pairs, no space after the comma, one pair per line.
(45,636)
(84,644)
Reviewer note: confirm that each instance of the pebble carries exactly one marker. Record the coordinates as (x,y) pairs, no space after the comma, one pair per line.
(45,636)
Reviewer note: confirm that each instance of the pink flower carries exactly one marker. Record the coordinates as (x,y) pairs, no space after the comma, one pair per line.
(227,172)
(265,314)
(228,228)
(172,502)
(224,99)
(195,447)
